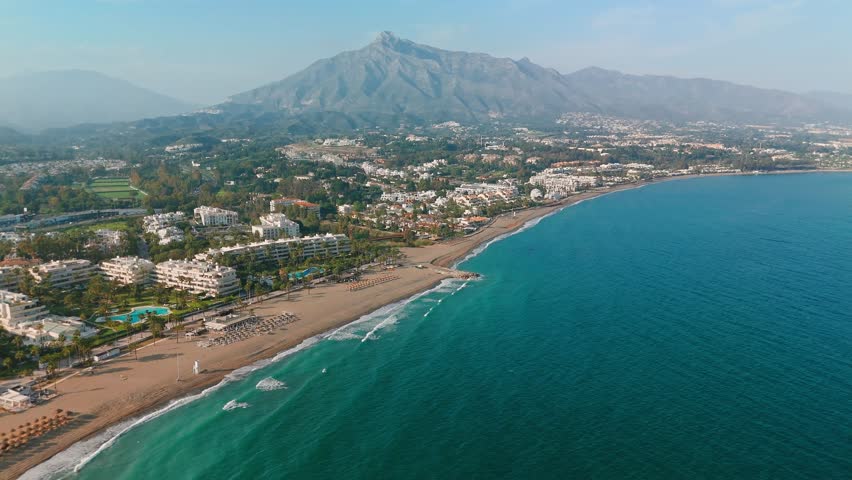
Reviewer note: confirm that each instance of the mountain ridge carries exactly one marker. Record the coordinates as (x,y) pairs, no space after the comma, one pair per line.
(392,75)
(63,98)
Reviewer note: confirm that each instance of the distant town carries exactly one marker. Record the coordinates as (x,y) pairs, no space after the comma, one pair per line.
(103,249)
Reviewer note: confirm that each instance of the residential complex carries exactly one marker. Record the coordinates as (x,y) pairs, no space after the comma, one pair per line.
(64,273)
(163,225)
(558,183)
(318,245)
(11,273)
(484,194)
(215,217)
(24,316)
(128,270)
(17,308)
(274,226)
(198,277)
(107,239)
(282,203)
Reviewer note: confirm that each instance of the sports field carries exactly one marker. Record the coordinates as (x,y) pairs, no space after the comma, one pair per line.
(115,189)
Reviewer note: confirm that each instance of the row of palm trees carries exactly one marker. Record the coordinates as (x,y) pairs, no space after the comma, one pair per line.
(19,436)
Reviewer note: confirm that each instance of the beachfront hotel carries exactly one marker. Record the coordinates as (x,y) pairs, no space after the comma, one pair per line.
(215,217)
(274,250)
(64,273)
(275,225)
(17,308)
(198,277)
(128,270)
(23,316)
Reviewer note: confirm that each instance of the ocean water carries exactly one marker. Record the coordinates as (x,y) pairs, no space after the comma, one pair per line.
(690,329)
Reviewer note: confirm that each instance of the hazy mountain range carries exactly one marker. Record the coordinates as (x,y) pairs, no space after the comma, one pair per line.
(396,76)
(393,80)
(64,98)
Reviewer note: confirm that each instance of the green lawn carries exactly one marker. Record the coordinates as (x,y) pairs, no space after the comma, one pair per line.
(114,189)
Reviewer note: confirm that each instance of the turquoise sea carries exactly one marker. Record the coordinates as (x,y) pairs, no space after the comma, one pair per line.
(690,329)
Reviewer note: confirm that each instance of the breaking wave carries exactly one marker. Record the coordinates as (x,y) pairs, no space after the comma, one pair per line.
(269,384)
(233,405)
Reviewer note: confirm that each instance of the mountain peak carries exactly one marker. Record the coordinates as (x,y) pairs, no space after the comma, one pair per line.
(386,38)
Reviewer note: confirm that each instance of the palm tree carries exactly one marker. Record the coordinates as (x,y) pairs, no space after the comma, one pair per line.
(52,365)
(178,329)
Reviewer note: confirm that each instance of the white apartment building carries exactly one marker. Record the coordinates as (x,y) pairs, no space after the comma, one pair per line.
(561,183)
(50,328)
(215,217)
(274,226)
(109,239)
(152,223)
(128,270)
(10,276)
(198,277)
(506,190)
(276,250)
(64,273)
(162,224)
(17,308)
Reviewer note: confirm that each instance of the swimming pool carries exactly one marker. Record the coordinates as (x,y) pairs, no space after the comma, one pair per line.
(137,313)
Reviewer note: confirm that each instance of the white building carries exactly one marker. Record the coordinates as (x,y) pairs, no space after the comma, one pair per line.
(276,250)
(163,225)
(128,270)
(17,308)
(198,277)
(482,194)
(50,328)
(275,225)
(215,217)
(10,277)
(152,223)
(64,273)
(109,239)
(562,183)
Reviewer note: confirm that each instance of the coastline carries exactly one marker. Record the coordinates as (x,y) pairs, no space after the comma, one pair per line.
(124,388)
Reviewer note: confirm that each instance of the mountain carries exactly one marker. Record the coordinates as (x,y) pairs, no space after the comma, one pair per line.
(69,97)
(677,99)
(833,99)
(392,76)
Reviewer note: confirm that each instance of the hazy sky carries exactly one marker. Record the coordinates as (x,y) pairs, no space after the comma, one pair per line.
(205,50)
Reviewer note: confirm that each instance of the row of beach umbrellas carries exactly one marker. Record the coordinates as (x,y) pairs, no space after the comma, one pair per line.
(19,436)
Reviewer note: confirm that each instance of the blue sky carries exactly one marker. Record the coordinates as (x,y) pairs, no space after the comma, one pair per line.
(205,50)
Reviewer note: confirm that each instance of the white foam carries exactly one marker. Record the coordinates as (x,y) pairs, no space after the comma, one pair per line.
(459,289)
(391,320)
(386,316)
(234,404)
(269,384)
(341,336)
(81,453)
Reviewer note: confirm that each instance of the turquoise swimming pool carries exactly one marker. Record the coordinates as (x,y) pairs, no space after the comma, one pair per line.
(137,313)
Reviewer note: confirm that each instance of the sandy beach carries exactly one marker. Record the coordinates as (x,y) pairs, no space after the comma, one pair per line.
(126,387)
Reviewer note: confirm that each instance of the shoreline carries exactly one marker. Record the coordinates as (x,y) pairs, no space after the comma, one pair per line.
(124,390)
